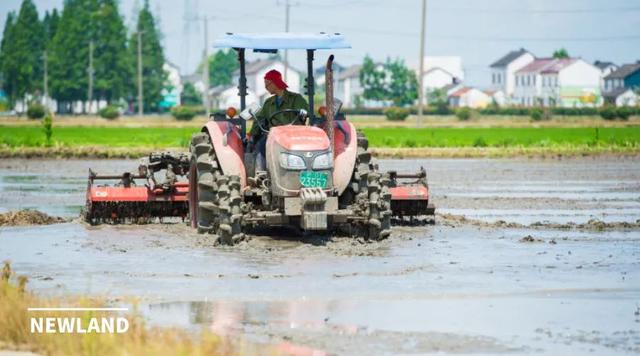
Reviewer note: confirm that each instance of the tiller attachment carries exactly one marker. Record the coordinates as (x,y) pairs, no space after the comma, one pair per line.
(410,198)
(126,201)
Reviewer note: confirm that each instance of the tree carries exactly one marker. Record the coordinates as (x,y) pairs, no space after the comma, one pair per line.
(112,65)
(402,86)
(391,81)
(50,26)
(372,78)
(222,64)
(69,52)
(28,47)
(153,75)
(438,99)
(560,53)
(190,95)
(8,64)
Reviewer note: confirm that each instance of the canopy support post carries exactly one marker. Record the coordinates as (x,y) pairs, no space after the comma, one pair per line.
(310,88)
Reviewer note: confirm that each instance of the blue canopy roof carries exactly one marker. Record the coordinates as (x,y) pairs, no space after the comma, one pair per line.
(274,41)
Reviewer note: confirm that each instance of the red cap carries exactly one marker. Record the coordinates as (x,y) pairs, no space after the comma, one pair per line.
(276,78)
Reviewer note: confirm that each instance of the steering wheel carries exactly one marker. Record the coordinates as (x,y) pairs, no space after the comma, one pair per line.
(300,112)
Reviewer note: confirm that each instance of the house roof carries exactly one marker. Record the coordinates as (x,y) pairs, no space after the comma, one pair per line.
(171,64)
(508,58)
(255,66)
(558,65)
(449,87)
(336,68)
(461,91)
(624,71)
(349,72)
(191,78)
(603,65)
(492,92)
(616,93)
(433,69)
(537,65)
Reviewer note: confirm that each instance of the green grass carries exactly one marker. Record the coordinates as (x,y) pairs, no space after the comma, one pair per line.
(120,137)
(503,137)
(16,136)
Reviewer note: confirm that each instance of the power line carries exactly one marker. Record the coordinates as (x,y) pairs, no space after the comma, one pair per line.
(371,32)
(287,6)
(543,11)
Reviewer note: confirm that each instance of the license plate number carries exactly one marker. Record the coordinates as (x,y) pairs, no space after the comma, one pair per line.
(310,179)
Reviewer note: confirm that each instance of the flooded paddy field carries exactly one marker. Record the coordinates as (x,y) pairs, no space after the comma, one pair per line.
(526,257)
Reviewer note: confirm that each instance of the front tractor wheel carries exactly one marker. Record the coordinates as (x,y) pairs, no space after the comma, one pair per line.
(215,203)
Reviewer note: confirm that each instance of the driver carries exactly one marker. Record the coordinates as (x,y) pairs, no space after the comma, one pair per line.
(281,99)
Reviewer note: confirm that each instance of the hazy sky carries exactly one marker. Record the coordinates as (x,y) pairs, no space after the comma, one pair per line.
(480,31)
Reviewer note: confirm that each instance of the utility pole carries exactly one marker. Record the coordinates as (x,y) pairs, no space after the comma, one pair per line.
(46,81)
(421,70)
(287,7)
(90,73)
(140,101)
(205,70)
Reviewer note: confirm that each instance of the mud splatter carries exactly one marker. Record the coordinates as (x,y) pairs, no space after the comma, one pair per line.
(591,225)
(28,217)
(529,239)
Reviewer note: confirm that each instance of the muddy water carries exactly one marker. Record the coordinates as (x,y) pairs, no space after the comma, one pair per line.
(452,287)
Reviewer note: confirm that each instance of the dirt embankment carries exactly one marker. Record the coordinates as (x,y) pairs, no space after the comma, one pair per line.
(28,217)
(593,224)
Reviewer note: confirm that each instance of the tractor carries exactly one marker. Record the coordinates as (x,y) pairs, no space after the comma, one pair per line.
(318,178)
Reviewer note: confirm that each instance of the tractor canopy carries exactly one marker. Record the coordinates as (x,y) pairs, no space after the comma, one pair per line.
(271,43)
(275,41)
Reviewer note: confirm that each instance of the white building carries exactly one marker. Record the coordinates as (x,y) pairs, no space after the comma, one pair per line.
(173,91)
(497,96)
(503,72)
(440,71)
(622,97)
(224,97)
(347,87)
(469,98)
(606,68)
(566,82)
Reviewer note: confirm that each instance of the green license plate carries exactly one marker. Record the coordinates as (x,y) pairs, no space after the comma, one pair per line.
(310,179)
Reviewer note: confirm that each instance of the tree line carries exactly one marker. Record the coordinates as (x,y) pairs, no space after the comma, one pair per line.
(389,81)
(82,52)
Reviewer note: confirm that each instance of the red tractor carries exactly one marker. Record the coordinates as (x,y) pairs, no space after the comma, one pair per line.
(319,177)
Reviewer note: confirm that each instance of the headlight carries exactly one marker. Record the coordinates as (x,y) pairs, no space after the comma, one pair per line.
(322,161)
(291,161)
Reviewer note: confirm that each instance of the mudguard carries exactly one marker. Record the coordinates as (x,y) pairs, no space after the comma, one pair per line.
(227,144)
(345,152)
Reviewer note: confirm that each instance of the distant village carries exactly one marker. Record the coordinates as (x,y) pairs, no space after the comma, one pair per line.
(518,78)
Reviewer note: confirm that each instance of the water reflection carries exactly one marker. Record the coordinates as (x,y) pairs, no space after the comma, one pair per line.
(255,319)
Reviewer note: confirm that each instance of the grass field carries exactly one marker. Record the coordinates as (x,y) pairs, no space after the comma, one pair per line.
(502,137)
(119,141)
(17,136)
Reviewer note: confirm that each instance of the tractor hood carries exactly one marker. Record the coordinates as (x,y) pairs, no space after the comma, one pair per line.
(300,138)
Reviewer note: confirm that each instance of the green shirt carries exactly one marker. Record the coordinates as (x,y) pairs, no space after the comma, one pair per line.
(289,101)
